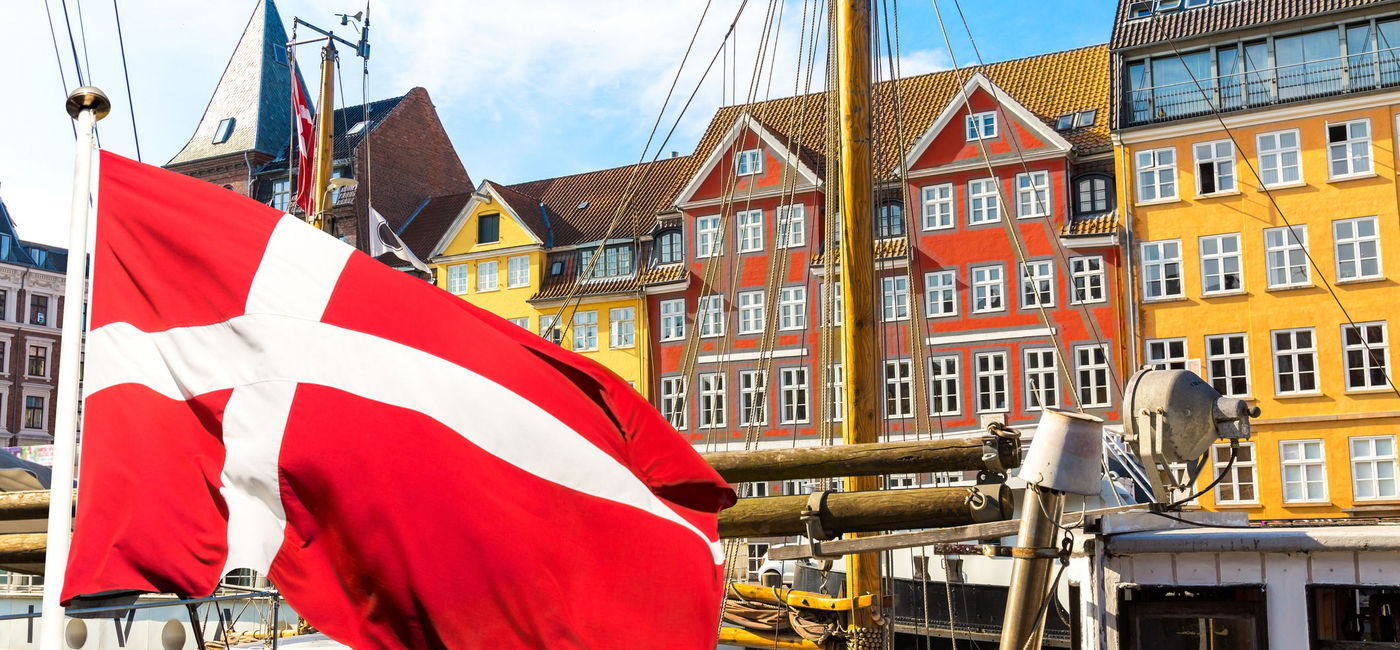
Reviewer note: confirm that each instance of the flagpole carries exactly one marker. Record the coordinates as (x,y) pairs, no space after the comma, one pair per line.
(87,105)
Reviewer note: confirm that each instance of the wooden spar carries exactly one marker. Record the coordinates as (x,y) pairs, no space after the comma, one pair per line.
(744,638)
(23,548)
(29,504)
(848,512)
(871,459)
(857,278)
(320,215)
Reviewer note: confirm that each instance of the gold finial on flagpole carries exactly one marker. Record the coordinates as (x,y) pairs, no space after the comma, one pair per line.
(88,97)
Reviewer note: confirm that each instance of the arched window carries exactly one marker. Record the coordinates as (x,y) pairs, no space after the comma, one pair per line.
(891,221)
(668,247)
(1093,193)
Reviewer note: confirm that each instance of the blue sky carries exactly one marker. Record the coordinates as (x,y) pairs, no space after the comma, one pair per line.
(526,89)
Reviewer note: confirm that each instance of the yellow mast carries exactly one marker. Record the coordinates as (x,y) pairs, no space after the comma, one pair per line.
(857,286)
(320,213)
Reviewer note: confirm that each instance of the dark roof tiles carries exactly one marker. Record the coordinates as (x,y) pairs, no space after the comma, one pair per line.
(1215,18)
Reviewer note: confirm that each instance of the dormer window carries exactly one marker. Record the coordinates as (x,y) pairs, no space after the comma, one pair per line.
(358,128)
(616,262)
(749,162)
(981,126)
(668,247)
(1092,194)
(1076,120)
(223,131)
(556,268)
(279,54)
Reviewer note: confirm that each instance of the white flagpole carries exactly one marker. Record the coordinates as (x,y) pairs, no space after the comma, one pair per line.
(87,105)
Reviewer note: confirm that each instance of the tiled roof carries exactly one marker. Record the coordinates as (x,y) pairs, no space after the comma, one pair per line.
(556,287)
(651,185)
(343,120)
(1048,85)
(1099,224)
(255,91)
(427,226)
(1215,18)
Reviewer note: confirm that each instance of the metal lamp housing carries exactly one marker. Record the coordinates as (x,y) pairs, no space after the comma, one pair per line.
(1066,453)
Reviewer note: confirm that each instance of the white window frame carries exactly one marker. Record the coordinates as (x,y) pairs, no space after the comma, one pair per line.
(1228,357)
(1220,457)
(945,385)
(941,293)
(1088,280)
(751,316)
(1037,284)
(622,327)
(1368,455)
(1033,368)
(1089,192)
(940,206)
(550,329)
(517,271)
(714,402)
(1285,249)
(983,202)
(672,319)
(1220,259)
(792,308)
(522,322)
(43,393)
(1370,352)
(458,278)
(790,226)
(1349,246)
(1272,158)
(1356,165)
(585,331)
(1158,353)
(1304,461)
(1156,176)
(795,384)
(707,243)
(899,389)
(1297,353)
(998,383)
(709,316)
(1165,261)
(993,283)
(1092,374)
(47,346)
(673,406)
(1033,194)
(749,162)
(750,230)
(1220,155)
(836,392)
(753,399)
(488,281)
(894,298)
(838,303)
(980,126)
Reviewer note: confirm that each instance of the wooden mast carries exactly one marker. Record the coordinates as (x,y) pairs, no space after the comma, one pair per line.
(320,214)
(860,424)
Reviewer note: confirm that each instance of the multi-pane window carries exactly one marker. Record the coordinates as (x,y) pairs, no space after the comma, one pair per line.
(486,275)
(1161,269)
(941,293)
(616,261)
(1165,354)
(673,401)
(1349,148)
(551,330)
(707,236)
(1295,361)
(710,313)
(1227,364)
(796,394)
(792,308)
(34,412)
(750,312)
(757,553)
(1358,245)
(713,402)
(1156,174)
(457,278)
(586,330)
(1033,194)
(836,392)
(1373,467)
(832,296)
(622,327)
(1220,264)
(38,361)
(1038,284)
(668,247)
(281,194)
(899,389)
(750,231)
(1286,255)
(983,204)
(895,297)
(991,375)
(1092,195)
(945,386)
(1280,158)
(1042,383)
(890,221)
(1215,167)
(938,206)
(988,289)
(1240,485)
(518,271)
(488,229)
(753,398)
(673,319)
(981,126)
(1091,373)
(1087,277)
(1366,355)
(38,309)
(1304,467)
(749,162)
(791,225)
(522,322)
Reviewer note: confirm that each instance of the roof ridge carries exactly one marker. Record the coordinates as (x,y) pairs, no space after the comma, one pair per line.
(597,171)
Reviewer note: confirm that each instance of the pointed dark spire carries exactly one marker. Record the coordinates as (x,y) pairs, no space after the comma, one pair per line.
(254,92)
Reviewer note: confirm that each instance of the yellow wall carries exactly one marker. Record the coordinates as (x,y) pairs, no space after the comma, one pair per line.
(1334,414)
(513,302)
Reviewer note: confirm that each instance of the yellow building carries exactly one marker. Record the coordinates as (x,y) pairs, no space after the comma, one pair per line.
(1258,159)
(568,258)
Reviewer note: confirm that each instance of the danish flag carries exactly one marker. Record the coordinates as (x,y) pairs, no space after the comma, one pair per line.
(306,144)
(409,470)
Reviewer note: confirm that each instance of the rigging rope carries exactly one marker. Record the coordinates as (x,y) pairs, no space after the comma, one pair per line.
(58,58)
(126,76)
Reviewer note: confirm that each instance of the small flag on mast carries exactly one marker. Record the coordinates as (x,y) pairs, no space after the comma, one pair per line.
(383,239)
(306,143)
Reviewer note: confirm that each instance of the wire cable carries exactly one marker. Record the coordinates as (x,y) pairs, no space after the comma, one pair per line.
(126,76)
(58,58)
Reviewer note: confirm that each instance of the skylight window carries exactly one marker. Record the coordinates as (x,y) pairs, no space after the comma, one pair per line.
(583,205)
(358,128)
(1065,123)
(223,131)
(1086,118)
(279,54)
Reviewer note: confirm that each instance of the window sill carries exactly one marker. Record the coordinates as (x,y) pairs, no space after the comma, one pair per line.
(1282,186)
(1307,504)
(1290,287)
(1352,177)
(1225,294)
(1237,505)
(1077,303)
(1378,501)
(1032,216)
(1154,301)
(1166,201)
(518,286)
(1369,391)
(487,290)
(1379,278)
(938,228)
(621,347)
(1314,393)
(585,350)
(1218,195)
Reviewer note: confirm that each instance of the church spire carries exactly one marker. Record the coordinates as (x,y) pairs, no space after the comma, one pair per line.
(250,109)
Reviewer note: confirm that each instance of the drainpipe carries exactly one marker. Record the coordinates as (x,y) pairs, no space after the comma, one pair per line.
(248,184)
(1129,263)
(548,229)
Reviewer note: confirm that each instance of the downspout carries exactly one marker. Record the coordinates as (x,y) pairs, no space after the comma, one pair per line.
(1129,262)
(248,184)
(548,229)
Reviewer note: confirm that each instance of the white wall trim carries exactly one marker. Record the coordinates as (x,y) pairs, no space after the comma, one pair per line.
(783,353)
(991,335)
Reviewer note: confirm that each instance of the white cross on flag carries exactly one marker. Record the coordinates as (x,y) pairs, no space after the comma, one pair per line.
(306,143)
(409,470)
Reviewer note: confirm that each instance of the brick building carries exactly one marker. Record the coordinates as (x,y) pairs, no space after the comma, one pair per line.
(31,317)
